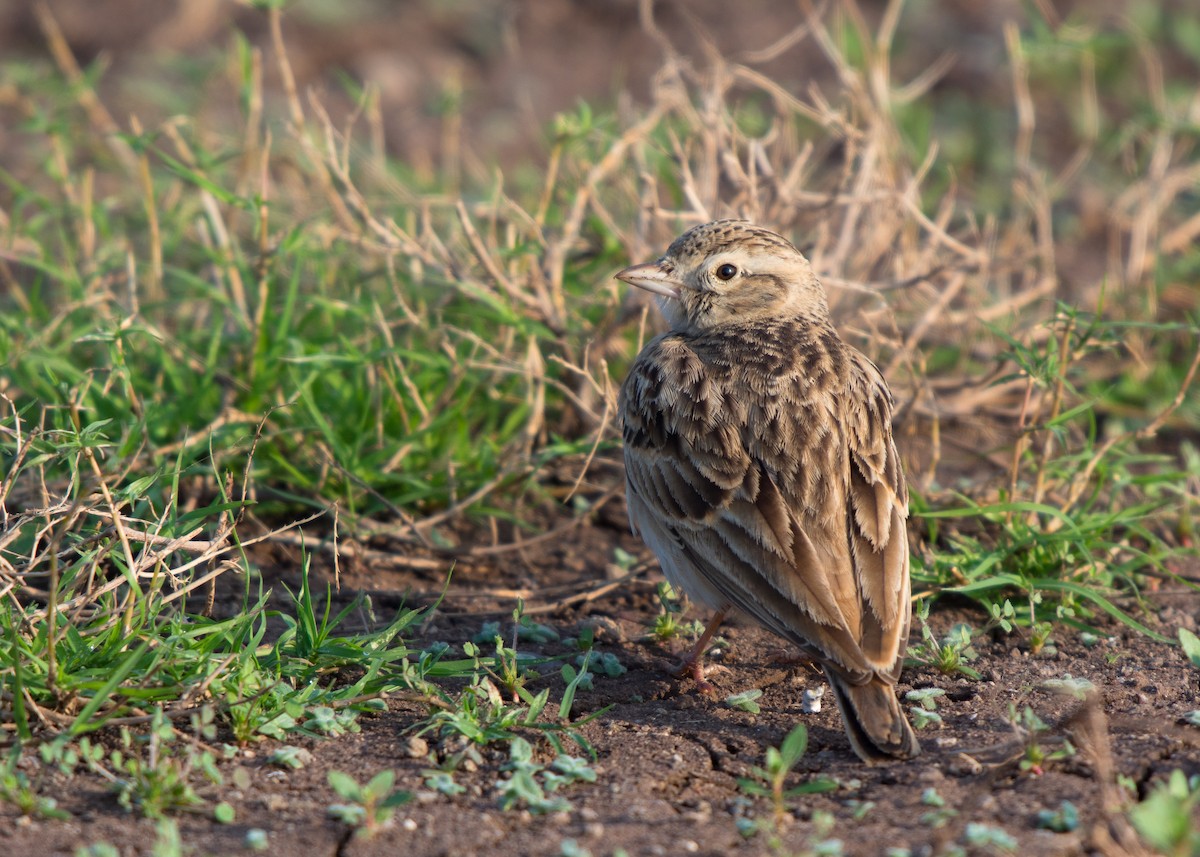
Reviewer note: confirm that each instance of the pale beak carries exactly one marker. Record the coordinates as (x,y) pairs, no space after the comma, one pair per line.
(652,277)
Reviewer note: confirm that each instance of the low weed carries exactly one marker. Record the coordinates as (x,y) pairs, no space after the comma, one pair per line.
(1166,819)
(1035,737)
(924,713)
(769,780)
(534,786)
(18,792)
(369,807)
(949,655)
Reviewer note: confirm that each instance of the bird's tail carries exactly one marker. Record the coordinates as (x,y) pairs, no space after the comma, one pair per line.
(875,724)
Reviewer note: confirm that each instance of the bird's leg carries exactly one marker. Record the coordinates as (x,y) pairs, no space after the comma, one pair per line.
(693,662)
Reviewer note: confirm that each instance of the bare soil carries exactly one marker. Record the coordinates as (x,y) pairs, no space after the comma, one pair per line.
(669,757)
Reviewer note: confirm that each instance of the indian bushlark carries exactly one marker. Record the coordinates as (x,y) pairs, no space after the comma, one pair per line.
(761,469)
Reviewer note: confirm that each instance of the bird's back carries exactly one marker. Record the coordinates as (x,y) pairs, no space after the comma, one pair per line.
(738,447)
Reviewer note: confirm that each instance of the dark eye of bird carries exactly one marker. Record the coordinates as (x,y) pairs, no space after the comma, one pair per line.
(726,272)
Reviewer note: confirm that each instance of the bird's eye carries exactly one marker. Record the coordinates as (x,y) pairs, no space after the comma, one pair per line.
(726,272)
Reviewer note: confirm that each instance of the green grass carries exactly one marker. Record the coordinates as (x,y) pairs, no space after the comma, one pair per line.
(207,334)
(1082,516)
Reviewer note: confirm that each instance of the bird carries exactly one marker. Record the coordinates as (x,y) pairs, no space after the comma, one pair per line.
(761,468)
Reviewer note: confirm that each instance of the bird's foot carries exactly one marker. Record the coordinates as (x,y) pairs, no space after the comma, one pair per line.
(694,666)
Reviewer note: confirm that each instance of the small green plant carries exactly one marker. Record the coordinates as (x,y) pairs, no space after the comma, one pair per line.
(442,782)
(528,782)
(769,780)
(1001,616)
(924,713)
(509,672)
(529,631)
(1061,820)
(17,791)
(819,842)
(1033,731)
(1191,646)
(167,841)
(747,700)
(948,655)
(939,815)
(604,663)
(1166,819)
(290,757)
(978,835)
(369,807)
(161,781)
(1039,638)
(667,624)
(1069,685)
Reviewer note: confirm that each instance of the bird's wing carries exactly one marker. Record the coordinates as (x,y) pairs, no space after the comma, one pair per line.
(743,520)
(878,500)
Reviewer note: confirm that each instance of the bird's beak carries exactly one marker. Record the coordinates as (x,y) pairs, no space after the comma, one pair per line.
(652,277)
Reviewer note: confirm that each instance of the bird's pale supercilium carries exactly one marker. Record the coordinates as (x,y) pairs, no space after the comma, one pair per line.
(761,468)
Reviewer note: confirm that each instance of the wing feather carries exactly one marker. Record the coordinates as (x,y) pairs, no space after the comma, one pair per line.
(878,534)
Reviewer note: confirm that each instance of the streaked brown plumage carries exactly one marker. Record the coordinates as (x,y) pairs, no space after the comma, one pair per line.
(761,469)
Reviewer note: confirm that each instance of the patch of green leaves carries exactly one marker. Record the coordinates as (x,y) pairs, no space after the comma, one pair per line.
(534,786)
(769,780)
(1062,820)
(1191,646)
(1166,819)
(18,792)
(747,700)
(369,807)
(924,713)
(949,655)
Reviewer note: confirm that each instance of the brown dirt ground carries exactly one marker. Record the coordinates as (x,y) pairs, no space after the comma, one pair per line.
(669,757)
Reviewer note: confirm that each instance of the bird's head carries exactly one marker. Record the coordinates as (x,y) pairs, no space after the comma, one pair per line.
(727,272)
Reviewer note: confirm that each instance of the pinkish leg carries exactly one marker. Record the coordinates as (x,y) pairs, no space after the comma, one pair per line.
(693,662)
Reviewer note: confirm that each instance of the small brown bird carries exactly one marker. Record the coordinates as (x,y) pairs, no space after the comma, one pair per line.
(761,469)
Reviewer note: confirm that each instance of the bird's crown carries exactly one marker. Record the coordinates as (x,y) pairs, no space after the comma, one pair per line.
(704,240)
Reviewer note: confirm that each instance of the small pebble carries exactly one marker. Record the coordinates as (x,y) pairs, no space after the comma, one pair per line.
(603,628)
(810,701)
(416,747)
(963,766)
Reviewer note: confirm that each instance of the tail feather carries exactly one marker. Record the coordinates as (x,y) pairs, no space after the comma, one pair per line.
(875,724)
